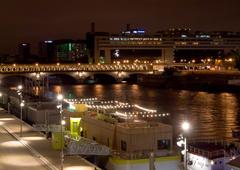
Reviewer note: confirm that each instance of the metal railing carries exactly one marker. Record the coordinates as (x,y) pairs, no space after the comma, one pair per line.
(26,68)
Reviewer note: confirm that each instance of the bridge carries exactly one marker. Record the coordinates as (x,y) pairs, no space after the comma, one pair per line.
(38,75)
(29,68)
(130,68)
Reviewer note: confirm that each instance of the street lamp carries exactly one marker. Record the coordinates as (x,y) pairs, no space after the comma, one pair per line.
(185,128)
(62,123)
(19,92)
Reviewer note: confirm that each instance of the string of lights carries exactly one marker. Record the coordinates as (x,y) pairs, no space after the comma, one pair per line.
(112,105)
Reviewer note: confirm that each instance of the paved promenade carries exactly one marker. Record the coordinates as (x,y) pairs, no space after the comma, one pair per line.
(32,150)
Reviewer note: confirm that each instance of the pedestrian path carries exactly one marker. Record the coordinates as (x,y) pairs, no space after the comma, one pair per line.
(39,146)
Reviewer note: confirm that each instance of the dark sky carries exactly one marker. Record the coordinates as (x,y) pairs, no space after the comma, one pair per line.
(35,20)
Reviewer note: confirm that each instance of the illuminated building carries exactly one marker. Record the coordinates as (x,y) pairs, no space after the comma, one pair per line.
(66,51)
(136,46)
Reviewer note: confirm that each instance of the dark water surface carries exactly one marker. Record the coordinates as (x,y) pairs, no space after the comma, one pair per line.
(212,115)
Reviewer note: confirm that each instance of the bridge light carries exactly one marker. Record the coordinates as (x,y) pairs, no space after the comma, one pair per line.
(36,64)
(14,65)
(38,75)
(58,64)
(80,74)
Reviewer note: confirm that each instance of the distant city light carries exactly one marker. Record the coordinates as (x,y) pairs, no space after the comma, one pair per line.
(184,36)
(49,41)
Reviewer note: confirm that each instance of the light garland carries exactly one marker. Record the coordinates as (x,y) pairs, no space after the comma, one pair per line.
(93,103)
(145,109)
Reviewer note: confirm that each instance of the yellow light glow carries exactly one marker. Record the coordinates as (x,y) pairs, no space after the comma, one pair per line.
(33,138)
(11,144)
(21,160)
(6,119)
(79,167)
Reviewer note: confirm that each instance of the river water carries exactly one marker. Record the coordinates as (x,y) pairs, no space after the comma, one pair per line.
(212,115)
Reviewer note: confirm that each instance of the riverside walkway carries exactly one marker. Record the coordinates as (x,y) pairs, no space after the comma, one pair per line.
(32,150)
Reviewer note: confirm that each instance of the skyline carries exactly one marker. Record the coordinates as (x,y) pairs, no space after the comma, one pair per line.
(39,20)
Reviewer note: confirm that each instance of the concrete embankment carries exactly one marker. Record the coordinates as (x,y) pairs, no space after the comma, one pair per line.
(38,146)
(195,80)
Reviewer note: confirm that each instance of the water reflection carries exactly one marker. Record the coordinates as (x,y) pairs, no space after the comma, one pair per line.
(212,115)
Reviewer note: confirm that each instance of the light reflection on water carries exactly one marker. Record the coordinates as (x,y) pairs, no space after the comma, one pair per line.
(212,115)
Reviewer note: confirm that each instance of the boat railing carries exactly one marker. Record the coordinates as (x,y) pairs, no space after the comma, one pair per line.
(207,154)
(143,154)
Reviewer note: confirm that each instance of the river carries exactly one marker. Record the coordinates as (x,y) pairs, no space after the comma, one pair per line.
(212,115)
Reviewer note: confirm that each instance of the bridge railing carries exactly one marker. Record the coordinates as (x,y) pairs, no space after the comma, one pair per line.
(26,68)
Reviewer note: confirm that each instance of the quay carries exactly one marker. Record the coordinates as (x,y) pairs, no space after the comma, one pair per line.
(35,146)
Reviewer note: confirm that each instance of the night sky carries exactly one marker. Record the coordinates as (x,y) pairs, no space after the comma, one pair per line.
(35,20)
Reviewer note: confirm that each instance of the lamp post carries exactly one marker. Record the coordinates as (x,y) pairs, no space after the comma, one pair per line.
(19,92)
(60,98)
(185,128)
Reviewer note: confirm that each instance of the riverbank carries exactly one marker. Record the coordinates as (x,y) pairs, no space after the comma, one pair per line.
(36,145)
(214,81)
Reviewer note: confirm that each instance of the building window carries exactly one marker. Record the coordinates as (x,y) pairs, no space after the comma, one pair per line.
(163,144)
(123,145)
(94,138)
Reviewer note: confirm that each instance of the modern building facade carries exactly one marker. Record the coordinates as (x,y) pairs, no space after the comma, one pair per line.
(134,45)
